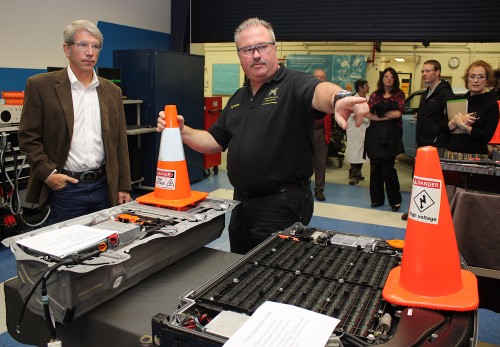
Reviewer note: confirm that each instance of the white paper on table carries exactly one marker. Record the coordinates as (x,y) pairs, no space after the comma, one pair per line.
(65,241)
(281,325)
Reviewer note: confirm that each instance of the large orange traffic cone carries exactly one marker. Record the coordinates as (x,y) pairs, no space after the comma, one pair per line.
(172,187)
(430,274)
(495,140)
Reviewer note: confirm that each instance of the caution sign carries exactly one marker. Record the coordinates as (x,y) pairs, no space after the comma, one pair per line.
(165,179)
(425,200)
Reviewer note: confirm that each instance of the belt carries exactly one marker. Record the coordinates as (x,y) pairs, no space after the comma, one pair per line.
(86,176)
(277,190)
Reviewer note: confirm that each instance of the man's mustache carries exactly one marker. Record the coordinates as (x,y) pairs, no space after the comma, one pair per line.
(255,62)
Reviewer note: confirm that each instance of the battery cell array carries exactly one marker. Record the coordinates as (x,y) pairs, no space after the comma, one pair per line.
(336,281)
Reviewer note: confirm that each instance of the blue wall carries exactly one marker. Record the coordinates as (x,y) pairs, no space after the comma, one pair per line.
(115,37)
(12,79)
(118,37)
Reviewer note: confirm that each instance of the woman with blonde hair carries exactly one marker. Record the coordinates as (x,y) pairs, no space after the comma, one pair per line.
(476,128)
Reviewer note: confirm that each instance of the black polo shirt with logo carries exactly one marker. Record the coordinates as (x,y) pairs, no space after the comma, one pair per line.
(269,135)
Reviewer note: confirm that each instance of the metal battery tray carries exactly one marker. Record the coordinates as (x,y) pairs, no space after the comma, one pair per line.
(163,237)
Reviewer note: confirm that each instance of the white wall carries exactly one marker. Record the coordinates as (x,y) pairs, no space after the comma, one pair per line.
(31,30)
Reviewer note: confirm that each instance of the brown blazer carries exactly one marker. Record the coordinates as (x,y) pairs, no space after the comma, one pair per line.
(46,129)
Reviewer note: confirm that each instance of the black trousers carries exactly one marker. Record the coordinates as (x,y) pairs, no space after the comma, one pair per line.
(383,173)
(355,170)
(320,154)
(255,219)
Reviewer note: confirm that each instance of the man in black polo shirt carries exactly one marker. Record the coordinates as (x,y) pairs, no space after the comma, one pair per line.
(267,127)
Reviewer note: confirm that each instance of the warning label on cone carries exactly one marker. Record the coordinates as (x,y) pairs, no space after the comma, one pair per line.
(425,200)
(165,179)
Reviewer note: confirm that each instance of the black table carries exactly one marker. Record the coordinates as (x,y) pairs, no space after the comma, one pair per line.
(476,218)
(125,319)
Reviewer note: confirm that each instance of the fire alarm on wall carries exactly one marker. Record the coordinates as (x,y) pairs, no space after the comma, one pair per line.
(454,62)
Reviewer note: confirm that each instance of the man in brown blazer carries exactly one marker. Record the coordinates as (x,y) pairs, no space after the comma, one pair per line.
(73,132)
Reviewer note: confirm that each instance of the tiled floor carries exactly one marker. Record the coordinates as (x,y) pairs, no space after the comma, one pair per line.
(347,208)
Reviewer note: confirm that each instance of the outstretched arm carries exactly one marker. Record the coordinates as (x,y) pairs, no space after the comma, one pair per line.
(323,100)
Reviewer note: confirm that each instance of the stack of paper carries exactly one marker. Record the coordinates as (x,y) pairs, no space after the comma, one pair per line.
(65,241)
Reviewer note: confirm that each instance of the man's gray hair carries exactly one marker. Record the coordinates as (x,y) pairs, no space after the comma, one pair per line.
(253,22)
(81,24)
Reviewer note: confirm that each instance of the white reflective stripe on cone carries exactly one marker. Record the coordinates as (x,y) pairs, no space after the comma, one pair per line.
(171,148)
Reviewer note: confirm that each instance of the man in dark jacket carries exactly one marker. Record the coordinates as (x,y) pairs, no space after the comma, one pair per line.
(432,118)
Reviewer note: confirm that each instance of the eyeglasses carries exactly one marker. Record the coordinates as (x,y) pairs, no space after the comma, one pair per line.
(262,48)
(366,86)
(427,70)
(478,77)
(84,45)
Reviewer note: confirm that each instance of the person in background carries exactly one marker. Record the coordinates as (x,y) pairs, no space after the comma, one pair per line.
(267,127)
(356,138)
(73,132)
(496,85)
(479,124)
(432,118)
(383,139)
(321,139)
(348,86)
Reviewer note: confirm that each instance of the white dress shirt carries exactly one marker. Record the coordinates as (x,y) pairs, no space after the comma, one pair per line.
(87,149)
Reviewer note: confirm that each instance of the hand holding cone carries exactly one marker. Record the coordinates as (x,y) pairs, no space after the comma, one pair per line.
(172,188)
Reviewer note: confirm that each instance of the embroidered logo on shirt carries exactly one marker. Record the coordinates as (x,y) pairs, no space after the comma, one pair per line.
(272,97)
(235,105)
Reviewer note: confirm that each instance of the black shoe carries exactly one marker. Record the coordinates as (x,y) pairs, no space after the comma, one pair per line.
(404,216)
(353,181)
(361,178)
(395,208)
(319,196)
(377,204)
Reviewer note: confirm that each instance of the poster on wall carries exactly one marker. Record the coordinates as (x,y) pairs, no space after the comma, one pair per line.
(340,69)
(225,79)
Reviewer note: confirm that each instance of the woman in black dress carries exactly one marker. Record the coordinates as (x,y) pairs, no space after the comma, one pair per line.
(383,139)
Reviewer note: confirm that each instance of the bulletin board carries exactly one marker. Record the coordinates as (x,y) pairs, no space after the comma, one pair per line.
(225,79)
(340,69)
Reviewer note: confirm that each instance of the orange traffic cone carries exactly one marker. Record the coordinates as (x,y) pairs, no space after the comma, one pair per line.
(172,187)
(430,274)
(495,140)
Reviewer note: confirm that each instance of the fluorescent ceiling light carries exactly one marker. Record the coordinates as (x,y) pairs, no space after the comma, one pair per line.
(399,59)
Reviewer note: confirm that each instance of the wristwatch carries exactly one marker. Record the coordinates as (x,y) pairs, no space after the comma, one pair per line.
(339,95)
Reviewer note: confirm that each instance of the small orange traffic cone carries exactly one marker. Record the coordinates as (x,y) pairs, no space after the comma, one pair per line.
(430,274)
(172,187)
